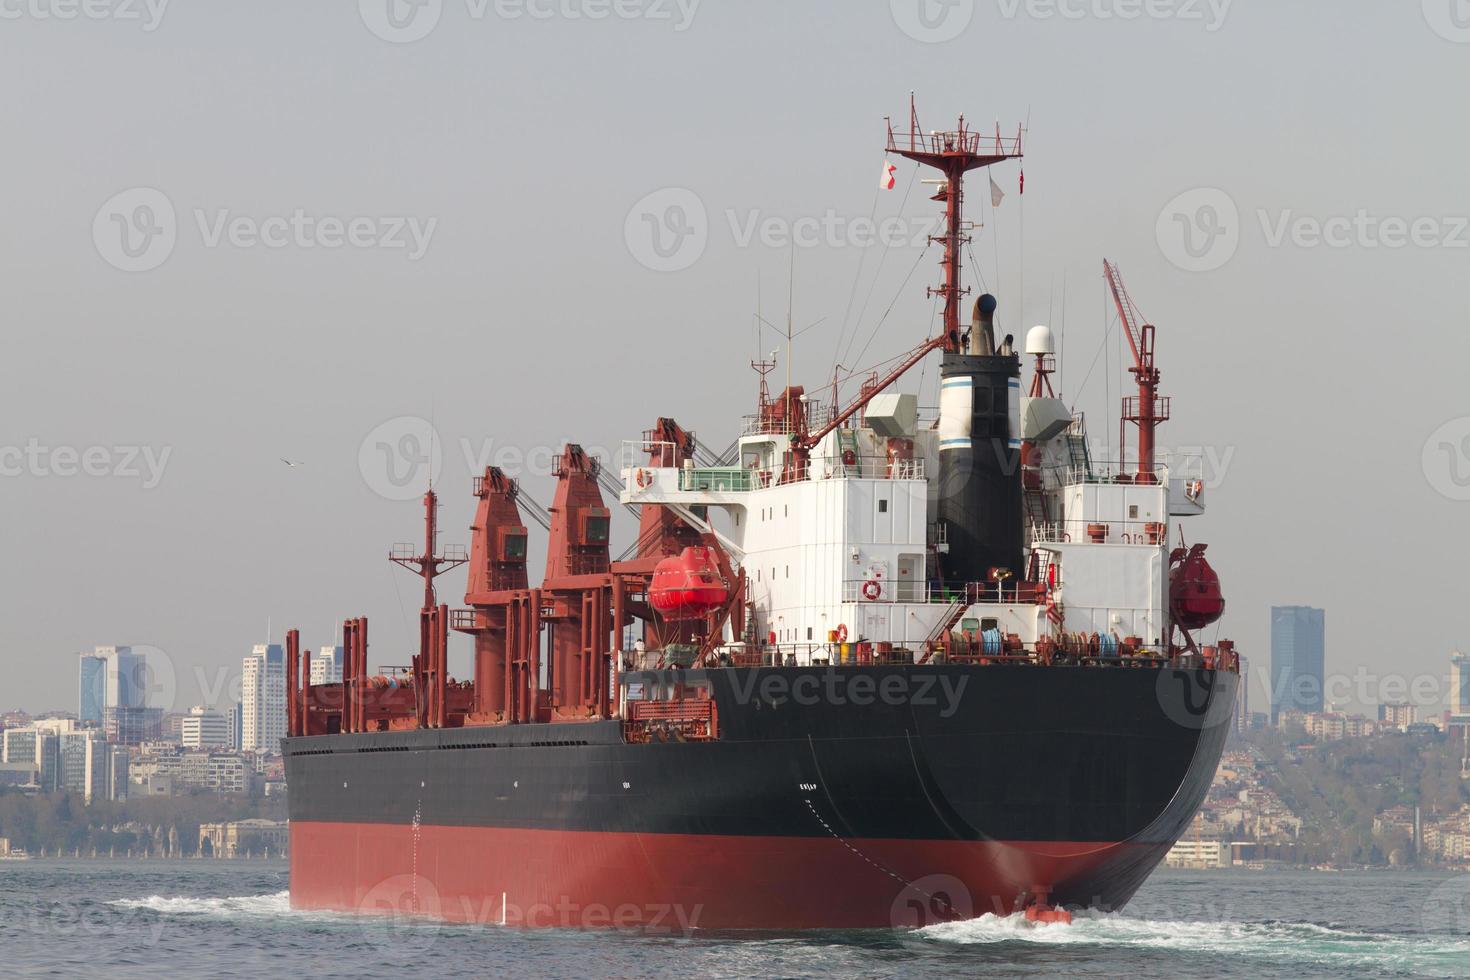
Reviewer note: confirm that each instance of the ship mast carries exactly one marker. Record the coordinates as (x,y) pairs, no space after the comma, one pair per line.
(953,153)
(428,564)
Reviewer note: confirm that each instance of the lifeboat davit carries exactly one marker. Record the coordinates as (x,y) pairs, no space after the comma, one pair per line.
(687,585)
(1195,599)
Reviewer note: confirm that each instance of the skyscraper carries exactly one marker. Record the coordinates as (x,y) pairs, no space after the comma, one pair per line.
(263,699)
(91,688)
(1297,645)
(1459,684)
(126,681)
(113,684)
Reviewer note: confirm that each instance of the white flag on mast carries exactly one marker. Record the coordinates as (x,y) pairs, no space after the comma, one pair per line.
(996,194)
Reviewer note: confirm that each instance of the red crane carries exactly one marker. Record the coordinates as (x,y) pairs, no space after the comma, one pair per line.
(1146,409)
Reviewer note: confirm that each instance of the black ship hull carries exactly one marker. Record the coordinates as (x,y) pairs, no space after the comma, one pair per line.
(832,797)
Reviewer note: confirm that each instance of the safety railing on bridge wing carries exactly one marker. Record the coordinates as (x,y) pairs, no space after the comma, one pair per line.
(899,590)
(1100,532)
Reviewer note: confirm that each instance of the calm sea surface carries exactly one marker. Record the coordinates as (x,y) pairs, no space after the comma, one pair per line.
(231,919)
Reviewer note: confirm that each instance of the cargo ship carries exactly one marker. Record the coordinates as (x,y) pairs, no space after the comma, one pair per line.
(873,666)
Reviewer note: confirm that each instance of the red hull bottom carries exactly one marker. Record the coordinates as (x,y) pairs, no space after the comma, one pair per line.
(678,883)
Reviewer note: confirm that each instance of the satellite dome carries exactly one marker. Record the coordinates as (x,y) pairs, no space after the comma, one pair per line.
(1039,341)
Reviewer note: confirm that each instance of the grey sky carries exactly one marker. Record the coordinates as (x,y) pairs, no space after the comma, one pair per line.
(1317,371)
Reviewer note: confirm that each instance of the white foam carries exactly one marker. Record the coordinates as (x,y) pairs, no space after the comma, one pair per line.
(276,903)
(1305,942)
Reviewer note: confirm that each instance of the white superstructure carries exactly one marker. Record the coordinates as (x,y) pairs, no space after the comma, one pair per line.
(845,547)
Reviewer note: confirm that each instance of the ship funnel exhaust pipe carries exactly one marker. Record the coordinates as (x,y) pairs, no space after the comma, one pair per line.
(978,495)
(982,326)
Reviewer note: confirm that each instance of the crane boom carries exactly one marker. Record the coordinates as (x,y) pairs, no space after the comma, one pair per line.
(917,355)
(1147,410)
(1143,356)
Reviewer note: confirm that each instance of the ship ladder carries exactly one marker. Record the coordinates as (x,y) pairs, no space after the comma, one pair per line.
(951,617)
(1080,455)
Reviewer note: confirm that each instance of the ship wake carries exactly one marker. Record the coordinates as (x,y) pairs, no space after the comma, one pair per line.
(1268,941)
(269,905)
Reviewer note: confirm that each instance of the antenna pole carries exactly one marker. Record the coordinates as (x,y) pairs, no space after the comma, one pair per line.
(953,154)
(428,564)
(790,300)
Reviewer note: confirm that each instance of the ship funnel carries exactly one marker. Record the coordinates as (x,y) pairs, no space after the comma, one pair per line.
(978,493)
(982,326)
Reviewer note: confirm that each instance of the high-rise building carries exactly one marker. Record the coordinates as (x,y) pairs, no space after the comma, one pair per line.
(91,688)
(1459,684)
(1297,655)
(113,684)
(72,750)
(263,699)
(204,728)
(326,666)
(126,683)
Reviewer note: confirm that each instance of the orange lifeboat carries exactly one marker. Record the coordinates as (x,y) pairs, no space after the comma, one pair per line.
(687,585)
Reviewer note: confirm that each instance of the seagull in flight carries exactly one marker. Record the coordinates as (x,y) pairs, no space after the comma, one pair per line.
(291,462)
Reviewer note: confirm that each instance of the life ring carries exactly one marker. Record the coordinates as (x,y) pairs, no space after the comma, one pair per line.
(643,478)
(872,589)
(849,458)
(841,632)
